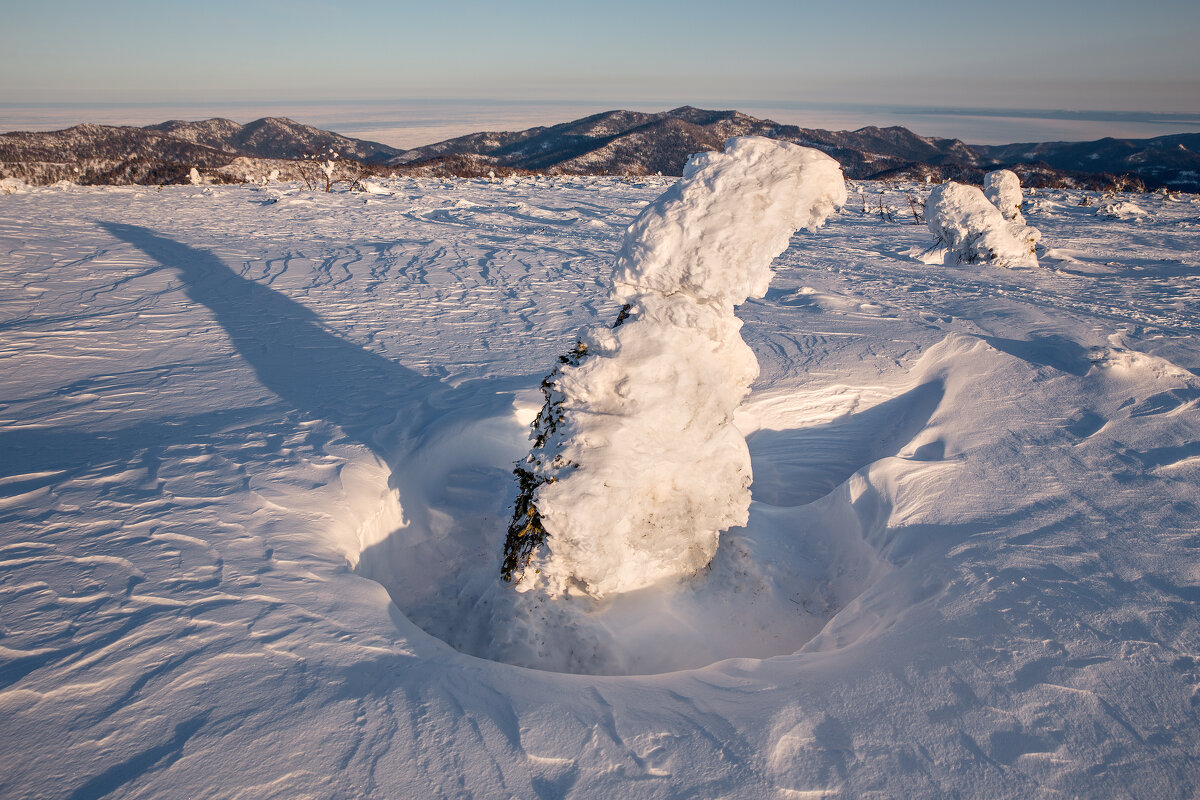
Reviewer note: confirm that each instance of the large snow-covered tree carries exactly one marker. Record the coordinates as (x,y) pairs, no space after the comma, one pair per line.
(636,466)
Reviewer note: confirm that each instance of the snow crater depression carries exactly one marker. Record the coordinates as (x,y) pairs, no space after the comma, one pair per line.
(621,548)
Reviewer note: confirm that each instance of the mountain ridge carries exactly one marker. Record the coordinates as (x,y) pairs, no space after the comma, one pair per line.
(617,142)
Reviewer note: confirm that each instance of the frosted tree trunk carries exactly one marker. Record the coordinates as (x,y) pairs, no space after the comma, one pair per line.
(636,466)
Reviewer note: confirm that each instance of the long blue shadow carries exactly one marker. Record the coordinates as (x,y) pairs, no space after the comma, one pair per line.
(1052,350)
(41,453)
(314,372)
(288,347)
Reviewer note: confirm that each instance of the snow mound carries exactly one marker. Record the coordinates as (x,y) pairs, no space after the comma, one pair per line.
(1003,189)
(972,230)
(372,187)
(636,467)
(1121,209)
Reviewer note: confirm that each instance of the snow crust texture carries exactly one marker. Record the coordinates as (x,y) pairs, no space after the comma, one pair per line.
(638,467)
(972,230)
(256,448)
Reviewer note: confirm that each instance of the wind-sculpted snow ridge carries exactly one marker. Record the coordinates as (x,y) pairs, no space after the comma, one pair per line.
(970,230)
(636,467)
(1003,189)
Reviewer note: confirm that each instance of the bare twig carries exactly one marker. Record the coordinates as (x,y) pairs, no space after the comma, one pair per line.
(885,212)
(912,203)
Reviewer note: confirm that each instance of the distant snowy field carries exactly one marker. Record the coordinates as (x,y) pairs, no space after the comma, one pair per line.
(255,464)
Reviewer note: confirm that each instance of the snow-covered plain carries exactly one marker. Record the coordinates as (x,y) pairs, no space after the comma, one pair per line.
(255,468)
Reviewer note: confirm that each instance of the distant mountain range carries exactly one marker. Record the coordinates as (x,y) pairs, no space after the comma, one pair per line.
(614,142)
(167,152)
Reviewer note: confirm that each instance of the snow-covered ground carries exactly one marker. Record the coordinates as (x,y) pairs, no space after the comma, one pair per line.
(255,467)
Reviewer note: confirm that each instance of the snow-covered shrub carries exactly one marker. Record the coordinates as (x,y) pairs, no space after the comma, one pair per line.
(370,187)
(326,166)
(327,169)
(1003,189)
(969,229)
(636,467)
(1121,209)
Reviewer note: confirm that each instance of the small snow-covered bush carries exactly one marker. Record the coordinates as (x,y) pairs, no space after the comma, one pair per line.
(1003,189)
(636,467)
(970,230)
(370,187)
(1121,209)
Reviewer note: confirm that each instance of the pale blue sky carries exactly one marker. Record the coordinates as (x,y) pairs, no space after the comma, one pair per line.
(1017,53)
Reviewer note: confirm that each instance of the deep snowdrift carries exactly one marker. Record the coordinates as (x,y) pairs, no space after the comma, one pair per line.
(970,565)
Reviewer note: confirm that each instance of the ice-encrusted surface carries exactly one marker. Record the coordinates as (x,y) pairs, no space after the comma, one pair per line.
(637,467)
(713,235)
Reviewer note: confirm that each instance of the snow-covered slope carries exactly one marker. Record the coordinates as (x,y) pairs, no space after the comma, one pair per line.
(255,466)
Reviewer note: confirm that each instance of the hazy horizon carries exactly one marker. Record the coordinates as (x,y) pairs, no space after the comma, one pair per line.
(412,122)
